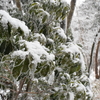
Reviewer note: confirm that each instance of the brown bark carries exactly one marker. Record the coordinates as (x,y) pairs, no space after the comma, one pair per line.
(20,87)
(69,18)
(96,62)
(18,4)
(91,55)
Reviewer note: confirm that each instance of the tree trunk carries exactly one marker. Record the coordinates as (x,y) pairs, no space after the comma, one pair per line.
(69,18)
(96,62)
(91,55)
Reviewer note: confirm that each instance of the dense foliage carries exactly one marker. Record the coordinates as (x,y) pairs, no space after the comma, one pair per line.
(37,60)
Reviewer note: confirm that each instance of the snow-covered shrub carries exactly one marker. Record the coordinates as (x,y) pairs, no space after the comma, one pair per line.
(36,61)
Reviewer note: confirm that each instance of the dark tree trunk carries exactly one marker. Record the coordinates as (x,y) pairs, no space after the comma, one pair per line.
(91,55)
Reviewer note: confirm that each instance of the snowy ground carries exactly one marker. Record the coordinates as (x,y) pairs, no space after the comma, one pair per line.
(95,85)
(96,89)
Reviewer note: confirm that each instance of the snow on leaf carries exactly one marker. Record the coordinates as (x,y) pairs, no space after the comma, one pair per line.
(61,32)
(36,50)
(20,53)
(71,95)
(16,23)
(51,78)
(74,48)
(52,1)
(81,88)
(65,2)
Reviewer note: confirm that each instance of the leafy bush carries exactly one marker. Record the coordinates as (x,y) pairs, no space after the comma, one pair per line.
(36,61)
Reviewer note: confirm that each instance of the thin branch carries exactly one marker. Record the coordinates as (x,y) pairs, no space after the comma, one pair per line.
(6,68)
(12,90)
(20,87)
(7,79)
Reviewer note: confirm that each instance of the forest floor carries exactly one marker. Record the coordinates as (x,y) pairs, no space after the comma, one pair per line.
(96,89)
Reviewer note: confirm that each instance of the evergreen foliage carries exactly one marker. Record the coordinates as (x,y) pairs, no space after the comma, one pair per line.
(40,64)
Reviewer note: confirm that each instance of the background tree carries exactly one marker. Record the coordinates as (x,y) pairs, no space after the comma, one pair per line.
(70,15)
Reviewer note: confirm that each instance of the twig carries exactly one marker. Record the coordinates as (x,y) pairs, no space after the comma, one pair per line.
(6,78)
(20,87)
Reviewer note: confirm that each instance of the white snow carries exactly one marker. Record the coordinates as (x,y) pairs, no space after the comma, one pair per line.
(36,50)
(92,76)
(81,88)
(51,78)
(71,96)
(78,2)
(74,48)
(64,2)
(39,36)
(50,40)
(61,32)
(20,53)
(57,88)
(52,1)
(16,23)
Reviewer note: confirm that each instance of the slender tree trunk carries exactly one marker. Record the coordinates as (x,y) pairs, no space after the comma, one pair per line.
(91,56)
(96,62)
(69,18)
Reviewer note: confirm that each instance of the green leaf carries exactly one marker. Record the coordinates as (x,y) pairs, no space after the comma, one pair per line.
(26,65)
(18,67)
(16,71)
(75,68)
(45,70)
(34,4)
(18,61)
(9,48)
(20,31)
(38,68)
(54,96)
(44,18)
(6,47)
